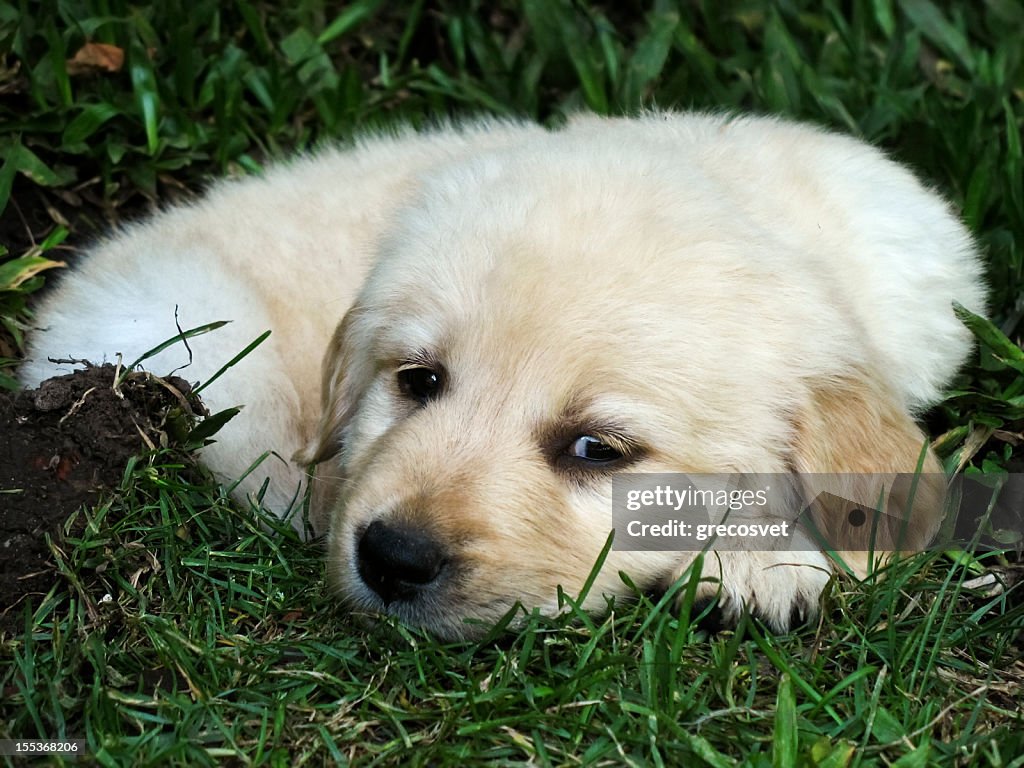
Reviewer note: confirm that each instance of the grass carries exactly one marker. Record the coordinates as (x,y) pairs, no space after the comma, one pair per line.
(220,641)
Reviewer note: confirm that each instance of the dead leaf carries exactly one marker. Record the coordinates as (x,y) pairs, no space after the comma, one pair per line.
(96,57)
(1013,438)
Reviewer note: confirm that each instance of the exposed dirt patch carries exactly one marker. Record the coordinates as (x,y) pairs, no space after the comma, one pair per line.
(61,446)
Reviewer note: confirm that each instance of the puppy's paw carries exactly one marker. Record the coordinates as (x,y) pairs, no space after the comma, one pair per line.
(779,588)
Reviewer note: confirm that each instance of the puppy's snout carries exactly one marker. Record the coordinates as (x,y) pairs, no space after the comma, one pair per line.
(398,561)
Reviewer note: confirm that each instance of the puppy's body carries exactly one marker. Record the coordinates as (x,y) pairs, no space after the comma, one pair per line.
(702,294)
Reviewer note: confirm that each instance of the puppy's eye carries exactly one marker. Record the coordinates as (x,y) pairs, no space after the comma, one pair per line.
(420,383)
(592,450)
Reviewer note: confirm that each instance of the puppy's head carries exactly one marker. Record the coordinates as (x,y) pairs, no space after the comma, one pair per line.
(526,333)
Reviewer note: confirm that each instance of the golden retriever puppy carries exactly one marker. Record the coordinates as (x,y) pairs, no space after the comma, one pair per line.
(527,313)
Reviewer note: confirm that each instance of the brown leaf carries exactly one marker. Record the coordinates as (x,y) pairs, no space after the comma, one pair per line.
(96,57)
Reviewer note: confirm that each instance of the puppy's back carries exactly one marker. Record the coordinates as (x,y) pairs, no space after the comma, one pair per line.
(893,248)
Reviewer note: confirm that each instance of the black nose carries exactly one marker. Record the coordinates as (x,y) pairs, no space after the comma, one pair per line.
(397,561)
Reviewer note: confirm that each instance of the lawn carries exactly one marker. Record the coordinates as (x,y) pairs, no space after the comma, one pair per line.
(183,629)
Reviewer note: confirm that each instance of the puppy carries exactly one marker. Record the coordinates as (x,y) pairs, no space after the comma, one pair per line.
(526,313)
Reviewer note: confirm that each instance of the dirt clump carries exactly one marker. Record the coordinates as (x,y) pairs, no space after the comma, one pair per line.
(61,446)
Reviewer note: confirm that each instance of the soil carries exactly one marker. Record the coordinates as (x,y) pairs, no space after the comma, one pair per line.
(61,447)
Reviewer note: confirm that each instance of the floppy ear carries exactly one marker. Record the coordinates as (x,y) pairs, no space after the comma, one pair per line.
(343,379)
(857,450)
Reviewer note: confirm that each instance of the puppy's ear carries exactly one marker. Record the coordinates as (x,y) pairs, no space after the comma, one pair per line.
(858,453)
(340,385)
(344,377)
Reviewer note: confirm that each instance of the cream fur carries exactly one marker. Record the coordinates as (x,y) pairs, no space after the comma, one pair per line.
(736,294)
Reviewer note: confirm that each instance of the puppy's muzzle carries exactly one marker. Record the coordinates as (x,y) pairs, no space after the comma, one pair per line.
(399,561)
